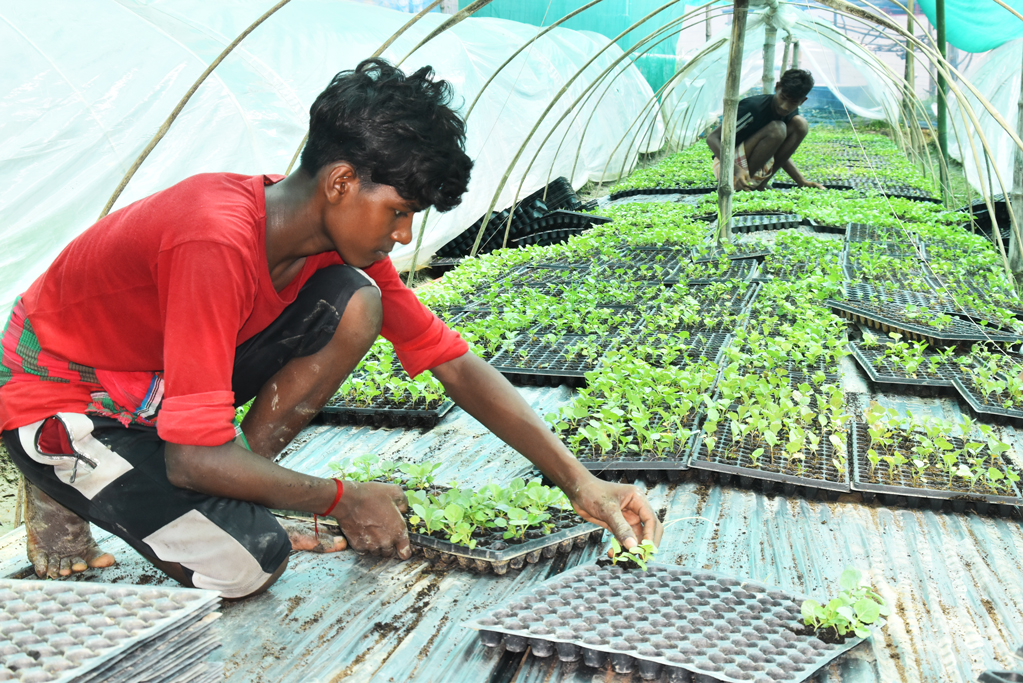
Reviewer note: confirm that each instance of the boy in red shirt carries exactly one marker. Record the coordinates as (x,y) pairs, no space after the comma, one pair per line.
(123,363)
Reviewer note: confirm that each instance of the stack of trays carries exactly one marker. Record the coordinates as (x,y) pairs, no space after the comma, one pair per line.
(69,632)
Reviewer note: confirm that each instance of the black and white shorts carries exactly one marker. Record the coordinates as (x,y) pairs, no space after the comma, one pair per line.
(116,477)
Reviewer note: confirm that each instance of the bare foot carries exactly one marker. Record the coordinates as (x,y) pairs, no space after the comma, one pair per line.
(303,537)
(59,541)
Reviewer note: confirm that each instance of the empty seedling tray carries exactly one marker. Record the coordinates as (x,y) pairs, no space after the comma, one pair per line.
(663,620)
(886,320)
(931,488)
(576,533)
(385,413)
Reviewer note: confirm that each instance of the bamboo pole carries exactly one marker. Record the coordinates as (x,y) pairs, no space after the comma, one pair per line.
(795,55)
(770,40)
(939,11)
(1015,252)
(910,74)
(707,32)
(786,53)
(731,107)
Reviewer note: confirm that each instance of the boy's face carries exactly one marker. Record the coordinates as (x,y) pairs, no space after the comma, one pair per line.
(783,104)
(368,221)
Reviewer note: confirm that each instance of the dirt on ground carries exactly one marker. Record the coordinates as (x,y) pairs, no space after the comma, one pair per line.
(8,490)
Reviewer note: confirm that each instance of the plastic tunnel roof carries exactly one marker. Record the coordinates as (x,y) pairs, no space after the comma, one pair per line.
(81,98)
(695,99)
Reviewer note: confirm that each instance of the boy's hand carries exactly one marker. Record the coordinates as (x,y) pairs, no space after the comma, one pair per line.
(619,508)
(741,180)
(810,183)
(370,515)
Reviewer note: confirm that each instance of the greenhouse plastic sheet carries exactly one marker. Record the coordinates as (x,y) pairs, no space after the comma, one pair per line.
(513,555)
(385,413)
(931,487)
(660,620)
(64,632)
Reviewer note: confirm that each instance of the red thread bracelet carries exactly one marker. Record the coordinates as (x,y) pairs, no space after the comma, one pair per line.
(340,491)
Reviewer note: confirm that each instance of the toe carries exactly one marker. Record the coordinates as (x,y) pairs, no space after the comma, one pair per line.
(102,560)
(340,543)
(40,563)
(52,567)
(65,566)
(79,564)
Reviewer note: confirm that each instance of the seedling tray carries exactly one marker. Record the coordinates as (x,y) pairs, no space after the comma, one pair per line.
(758,222)
(696,189)
(708,345)
(891,238)
(705,273)
(887,376)
(642,269)
(614,464)
(983,408)
(665,623)
(512,555)
(960,331)
(1001,677)
(384,413)
(819,475)
(710,254)
(542,364)
(931,488)
(863,291)
(824,228)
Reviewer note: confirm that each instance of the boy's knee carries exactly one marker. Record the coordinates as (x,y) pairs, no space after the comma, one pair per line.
(363,317)
(799,127)
(776,130)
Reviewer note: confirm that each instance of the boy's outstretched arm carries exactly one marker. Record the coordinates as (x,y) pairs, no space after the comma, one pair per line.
(486,395)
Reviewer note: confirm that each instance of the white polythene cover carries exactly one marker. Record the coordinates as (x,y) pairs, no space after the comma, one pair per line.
(694,100)
(87,83)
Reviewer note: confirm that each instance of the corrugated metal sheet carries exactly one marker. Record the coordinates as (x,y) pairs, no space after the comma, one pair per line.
(953,580)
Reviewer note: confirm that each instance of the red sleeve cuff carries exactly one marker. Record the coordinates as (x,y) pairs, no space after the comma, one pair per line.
(205,419)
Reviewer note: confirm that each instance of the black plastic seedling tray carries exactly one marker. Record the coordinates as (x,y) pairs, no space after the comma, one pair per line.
(864,291)
(615,464)
(961,331)
(383,413)
(1001,677)
(643,269)
(711,254)
(706,345)
(984,409)
(703,274)
(818,478)
(888,377)
(758,222)
(702,189)
(825,229)
(514,556)
(891,238)
(665,622)
(541,364)
(903,490)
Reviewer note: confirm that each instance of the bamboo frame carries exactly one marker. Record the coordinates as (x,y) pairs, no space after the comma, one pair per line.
(726,180)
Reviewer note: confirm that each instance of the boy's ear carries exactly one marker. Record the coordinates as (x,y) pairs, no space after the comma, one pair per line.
(339,179)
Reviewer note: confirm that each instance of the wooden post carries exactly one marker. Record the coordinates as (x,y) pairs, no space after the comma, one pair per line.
(795,55)
(770,40)
(910,76)
(939,11)
(731,107)
(1015,249)
(786,53)
(708,23)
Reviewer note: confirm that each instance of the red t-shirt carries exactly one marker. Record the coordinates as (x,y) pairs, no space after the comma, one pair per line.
(173,283)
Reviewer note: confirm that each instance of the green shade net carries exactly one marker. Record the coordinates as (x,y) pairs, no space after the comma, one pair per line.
(977,25)
(608,18)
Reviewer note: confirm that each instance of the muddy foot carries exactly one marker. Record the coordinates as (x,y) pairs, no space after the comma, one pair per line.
(59,541)
(303,538)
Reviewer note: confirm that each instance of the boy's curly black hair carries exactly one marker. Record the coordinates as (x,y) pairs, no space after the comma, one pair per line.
(395,129)
(796,83)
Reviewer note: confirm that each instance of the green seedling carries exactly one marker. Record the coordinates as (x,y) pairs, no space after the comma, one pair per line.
(641,553)
(854,608)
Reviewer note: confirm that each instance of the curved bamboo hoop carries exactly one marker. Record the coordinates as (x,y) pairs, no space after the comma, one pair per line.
(543,115)
(181,105)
